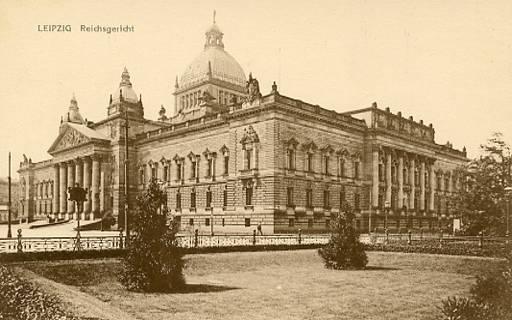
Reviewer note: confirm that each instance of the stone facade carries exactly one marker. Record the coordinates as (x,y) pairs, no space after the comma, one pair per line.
(230,165)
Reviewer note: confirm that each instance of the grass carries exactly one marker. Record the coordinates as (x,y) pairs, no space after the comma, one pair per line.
(283,285)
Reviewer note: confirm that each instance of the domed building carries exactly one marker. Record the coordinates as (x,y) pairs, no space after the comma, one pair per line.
(213,72)
(231,158)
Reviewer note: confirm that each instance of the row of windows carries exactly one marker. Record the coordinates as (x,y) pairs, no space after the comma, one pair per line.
(326,199)
(207,221)
(208,203)
(180,170)
(193,99)
(326,164)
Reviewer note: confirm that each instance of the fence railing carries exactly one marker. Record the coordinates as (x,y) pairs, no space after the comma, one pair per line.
(42,244)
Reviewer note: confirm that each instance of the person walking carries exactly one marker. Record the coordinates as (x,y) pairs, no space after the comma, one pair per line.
(259,229)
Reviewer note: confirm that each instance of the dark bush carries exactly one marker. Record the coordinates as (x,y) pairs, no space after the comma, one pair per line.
(344,251)
(491,297)
(19,299)
(153,261)
(456,308)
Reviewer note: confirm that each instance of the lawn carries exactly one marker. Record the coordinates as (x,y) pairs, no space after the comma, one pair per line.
(282,285)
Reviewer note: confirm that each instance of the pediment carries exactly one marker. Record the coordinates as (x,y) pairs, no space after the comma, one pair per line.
(71,137)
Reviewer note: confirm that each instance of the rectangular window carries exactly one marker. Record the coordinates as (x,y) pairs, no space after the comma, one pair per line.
(310,162)
(178,200)
(342,168)
(327,223)
(225,198)
(207,221)
(178,171)
(165,173)
(291,222)
(291,159)
(208,199)
(193,170)
(226,165)
(356,169)
(289,197)
(153,172)
(342,198)
(191,221)
(357,201)
(381,172)
(223,222)
(193,199)
(247,222)
(248,159)
(326,165)
(248,196)
(326,199)
(309,198)
(310,223)
(209,169)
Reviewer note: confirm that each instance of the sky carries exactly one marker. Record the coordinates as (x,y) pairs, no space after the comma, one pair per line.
(446,62)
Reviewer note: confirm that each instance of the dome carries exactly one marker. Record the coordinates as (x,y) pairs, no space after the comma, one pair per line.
(214,61)
(125,88)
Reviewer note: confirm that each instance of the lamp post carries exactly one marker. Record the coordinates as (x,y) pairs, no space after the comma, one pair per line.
(9,232)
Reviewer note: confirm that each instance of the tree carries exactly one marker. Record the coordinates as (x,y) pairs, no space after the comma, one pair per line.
(154,261)
(344,251)
(482,202)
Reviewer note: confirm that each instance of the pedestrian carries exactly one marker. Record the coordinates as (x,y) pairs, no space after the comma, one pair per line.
(259,229)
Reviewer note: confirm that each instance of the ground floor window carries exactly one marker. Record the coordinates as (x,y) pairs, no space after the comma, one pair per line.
(191,221)
(291,222)
(247,222)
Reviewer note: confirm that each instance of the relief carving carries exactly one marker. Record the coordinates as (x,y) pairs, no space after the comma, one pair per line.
(70,139)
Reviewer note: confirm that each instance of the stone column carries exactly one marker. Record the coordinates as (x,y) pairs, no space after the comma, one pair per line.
(450,182)
(432,187)
(55,192)
(400,181)
(412,173)
(71,183)
(422,186)
(78,178)
(87,185)
(102,191)
(388,177)
(63,183)
(375,177)
(95,187)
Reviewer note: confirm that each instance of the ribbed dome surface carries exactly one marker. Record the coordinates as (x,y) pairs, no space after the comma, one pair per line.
(223,67)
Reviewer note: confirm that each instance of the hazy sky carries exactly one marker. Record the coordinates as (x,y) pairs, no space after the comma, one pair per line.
(446,62)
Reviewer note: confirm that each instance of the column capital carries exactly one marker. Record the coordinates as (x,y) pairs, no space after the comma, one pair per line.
(97,157)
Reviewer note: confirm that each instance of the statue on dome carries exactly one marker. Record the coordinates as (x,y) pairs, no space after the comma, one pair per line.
(161,113)
(206,98)
(253,89)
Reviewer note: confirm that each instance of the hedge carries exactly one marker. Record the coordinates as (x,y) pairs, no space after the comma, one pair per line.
(432,247)
(117,253)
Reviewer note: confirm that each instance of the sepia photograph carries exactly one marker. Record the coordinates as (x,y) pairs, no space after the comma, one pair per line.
(259,160)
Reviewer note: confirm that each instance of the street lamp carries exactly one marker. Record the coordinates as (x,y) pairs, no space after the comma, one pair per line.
(508,191)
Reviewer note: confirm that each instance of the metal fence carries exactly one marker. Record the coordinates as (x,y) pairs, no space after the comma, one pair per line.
(43,244)
(46,244)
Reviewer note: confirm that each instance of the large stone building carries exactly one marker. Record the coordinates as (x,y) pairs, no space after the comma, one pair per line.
(231,158)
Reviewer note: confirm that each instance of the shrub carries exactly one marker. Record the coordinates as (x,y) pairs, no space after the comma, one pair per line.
(153,261)
(344,251)
(491,297)
(21,300)
(455,308)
